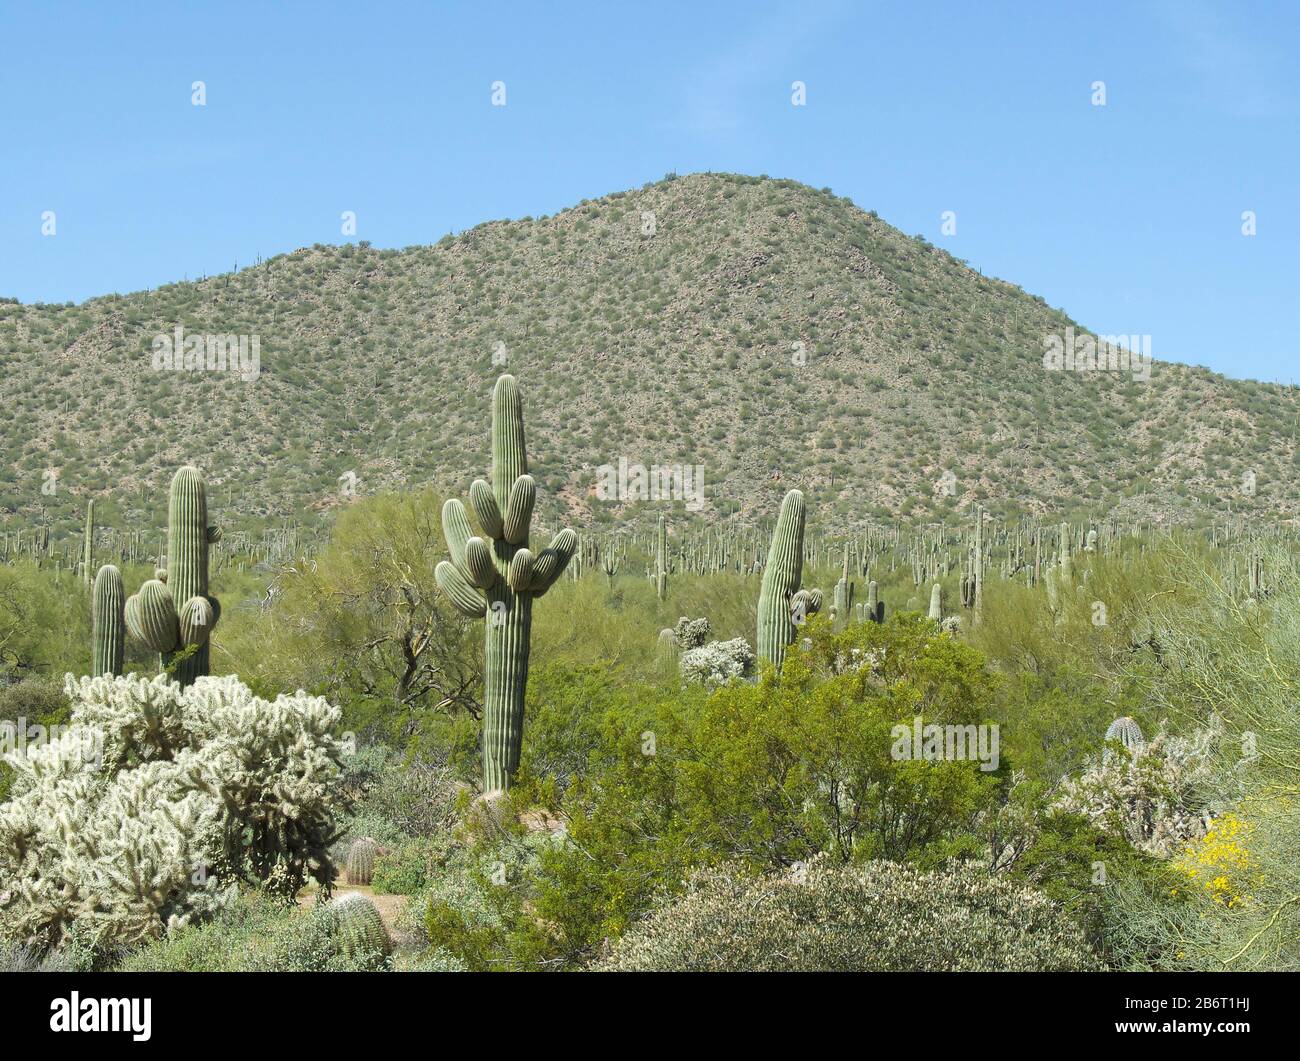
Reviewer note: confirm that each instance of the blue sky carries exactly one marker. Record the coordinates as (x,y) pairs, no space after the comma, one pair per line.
(1128,215)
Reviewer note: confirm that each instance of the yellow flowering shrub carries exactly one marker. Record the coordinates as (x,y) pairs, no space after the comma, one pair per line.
(1219,863)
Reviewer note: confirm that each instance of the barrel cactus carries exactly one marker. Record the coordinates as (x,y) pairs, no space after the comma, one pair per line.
(107,623)
(180,634)
(782,605)
(360,930)
(495,577)
(360,867)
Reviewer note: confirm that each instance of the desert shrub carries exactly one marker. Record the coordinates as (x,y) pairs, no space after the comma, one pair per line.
(408,868)
(874,917)
(256,932)
(28,710)
(1087,872)
(156,801)
(770,773)
(474,912)
(400,797)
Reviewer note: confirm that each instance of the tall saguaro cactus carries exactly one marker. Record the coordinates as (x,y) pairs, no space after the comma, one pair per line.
(107,622)
(495,577)
(151,614)
(661,559)
(88,543)
(781,602)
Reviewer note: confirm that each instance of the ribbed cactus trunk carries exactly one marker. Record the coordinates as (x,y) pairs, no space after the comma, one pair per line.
(979,564)
(187,562)
(936,602)
(781,578)
(152,614)
(496,577)
(108,622)
(88,544)
(661,560)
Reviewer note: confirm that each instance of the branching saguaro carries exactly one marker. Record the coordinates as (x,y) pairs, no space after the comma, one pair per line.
(174,612)
(782,605)
(495,577)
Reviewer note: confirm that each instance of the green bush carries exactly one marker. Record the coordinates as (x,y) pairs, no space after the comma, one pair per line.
(256,933)
(873,917)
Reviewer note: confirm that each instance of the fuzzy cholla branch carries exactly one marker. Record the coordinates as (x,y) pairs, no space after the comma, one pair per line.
(1154,795)
(144,814)
(718,662)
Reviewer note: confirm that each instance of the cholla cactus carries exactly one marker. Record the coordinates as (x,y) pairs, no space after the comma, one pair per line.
(153,615)
(361,931)
(691,633)
(1152,798)
(361,860)
(496,578)
(717,662)
(157,800)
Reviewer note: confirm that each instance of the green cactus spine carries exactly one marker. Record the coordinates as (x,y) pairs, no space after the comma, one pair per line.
(152,615)
(781,603)
(108,622)
(496,578)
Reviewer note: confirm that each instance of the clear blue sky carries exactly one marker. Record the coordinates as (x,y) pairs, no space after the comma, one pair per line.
(1128,215)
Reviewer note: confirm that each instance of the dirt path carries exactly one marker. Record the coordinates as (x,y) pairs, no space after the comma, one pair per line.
(390,907)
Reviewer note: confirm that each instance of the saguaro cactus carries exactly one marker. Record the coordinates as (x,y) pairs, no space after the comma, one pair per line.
(1127,732)
(151,614)
(781,602)
(88,543)
(495,577)
(843,595)
(936,602)
(661,560)
(108,622)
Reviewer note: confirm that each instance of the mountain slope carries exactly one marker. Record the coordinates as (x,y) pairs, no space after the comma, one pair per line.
(680,346)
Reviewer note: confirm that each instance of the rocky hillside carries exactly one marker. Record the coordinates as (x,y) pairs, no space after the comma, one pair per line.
(773,334)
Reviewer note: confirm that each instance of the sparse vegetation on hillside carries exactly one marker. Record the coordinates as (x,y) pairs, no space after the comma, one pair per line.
(764,328)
